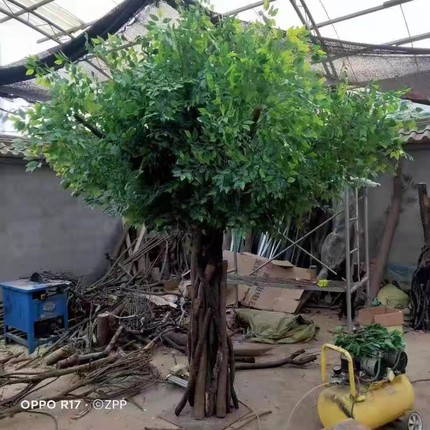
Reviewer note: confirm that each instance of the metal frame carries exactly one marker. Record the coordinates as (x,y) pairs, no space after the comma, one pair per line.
(29,9)
(315,28)
(70,30)
(33,11)
(352,255)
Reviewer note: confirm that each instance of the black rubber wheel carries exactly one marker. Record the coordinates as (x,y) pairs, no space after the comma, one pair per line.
(414,421)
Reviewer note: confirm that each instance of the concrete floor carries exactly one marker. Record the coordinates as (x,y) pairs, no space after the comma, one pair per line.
(275,389)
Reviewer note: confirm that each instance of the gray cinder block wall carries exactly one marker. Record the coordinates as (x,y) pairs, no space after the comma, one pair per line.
(43,228)
(408,238)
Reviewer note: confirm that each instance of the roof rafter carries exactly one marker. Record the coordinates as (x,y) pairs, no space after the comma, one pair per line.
(246,7)
(38,29)
(29,8)
(70,30)
(34,12)
(410,39)
(385,5)
(299,13)
(24,21)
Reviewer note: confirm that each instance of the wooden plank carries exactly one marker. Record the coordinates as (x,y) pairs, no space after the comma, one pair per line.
(140,238)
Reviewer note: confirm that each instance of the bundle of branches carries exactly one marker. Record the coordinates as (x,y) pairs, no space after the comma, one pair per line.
(144,262)
(117,375)
(420,292)
(126,293)
(136,322)
(142,266)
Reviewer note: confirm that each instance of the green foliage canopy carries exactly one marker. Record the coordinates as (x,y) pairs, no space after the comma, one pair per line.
(208,125)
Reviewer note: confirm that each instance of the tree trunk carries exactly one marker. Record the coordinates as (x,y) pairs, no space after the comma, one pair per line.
(248,241)
(389,231)
(102,329)
(227,240)
(424,211)
(210,387)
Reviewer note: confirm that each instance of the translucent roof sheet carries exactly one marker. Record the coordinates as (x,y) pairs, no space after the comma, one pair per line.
(31,26)
(40,14)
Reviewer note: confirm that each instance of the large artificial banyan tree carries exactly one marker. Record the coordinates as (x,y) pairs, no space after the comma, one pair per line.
(204,126)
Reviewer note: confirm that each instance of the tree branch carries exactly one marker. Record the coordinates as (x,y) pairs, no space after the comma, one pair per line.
(89,126)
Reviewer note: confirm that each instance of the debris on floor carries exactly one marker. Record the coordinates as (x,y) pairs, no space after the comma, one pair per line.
(116,374)
(116,323)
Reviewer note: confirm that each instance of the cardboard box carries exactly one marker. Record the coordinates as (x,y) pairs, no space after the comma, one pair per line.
(242,290)
(390,318)
(276,269)
(273,299)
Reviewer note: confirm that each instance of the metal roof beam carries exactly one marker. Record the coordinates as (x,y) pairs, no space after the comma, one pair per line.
(40,16)
(411,39)
(70,30)
(246,7)
(29,9)
(385,5)
(49,36)
(24,21)
(299,13)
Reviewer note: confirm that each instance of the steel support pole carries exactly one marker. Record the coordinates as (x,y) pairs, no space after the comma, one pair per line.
(366,242)
(236,287)
(348,261)
(357,233)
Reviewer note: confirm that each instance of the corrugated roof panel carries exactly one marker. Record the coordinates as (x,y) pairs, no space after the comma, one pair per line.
(6,147)
(414,136)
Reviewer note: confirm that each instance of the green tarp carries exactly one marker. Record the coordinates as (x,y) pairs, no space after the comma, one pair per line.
(276,327)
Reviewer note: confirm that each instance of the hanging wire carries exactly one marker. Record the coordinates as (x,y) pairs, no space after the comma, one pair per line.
(337,35)
(409,34)
(406,24)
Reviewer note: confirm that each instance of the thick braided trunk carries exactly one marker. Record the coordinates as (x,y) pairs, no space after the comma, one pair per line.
(210,388)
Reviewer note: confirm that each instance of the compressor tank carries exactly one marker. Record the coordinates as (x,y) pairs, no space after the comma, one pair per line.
(376,405)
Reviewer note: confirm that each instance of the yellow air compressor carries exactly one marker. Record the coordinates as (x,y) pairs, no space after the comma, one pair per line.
(359,391)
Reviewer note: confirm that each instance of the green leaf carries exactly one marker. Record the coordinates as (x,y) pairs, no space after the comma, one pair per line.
(32,166)
(29,72)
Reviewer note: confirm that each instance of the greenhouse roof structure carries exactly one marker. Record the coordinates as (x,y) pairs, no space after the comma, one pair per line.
(370,40)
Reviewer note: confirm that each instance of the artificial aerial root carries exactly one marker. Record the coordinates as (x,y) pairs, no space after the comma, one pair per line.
(210,389)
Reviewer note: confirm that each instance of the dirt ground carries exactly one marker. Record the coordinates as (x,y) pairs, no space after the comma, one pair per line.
(275,389)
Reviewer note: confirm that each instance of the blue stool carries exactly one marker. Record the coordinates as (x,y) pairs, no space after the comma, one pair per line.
(34,312)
